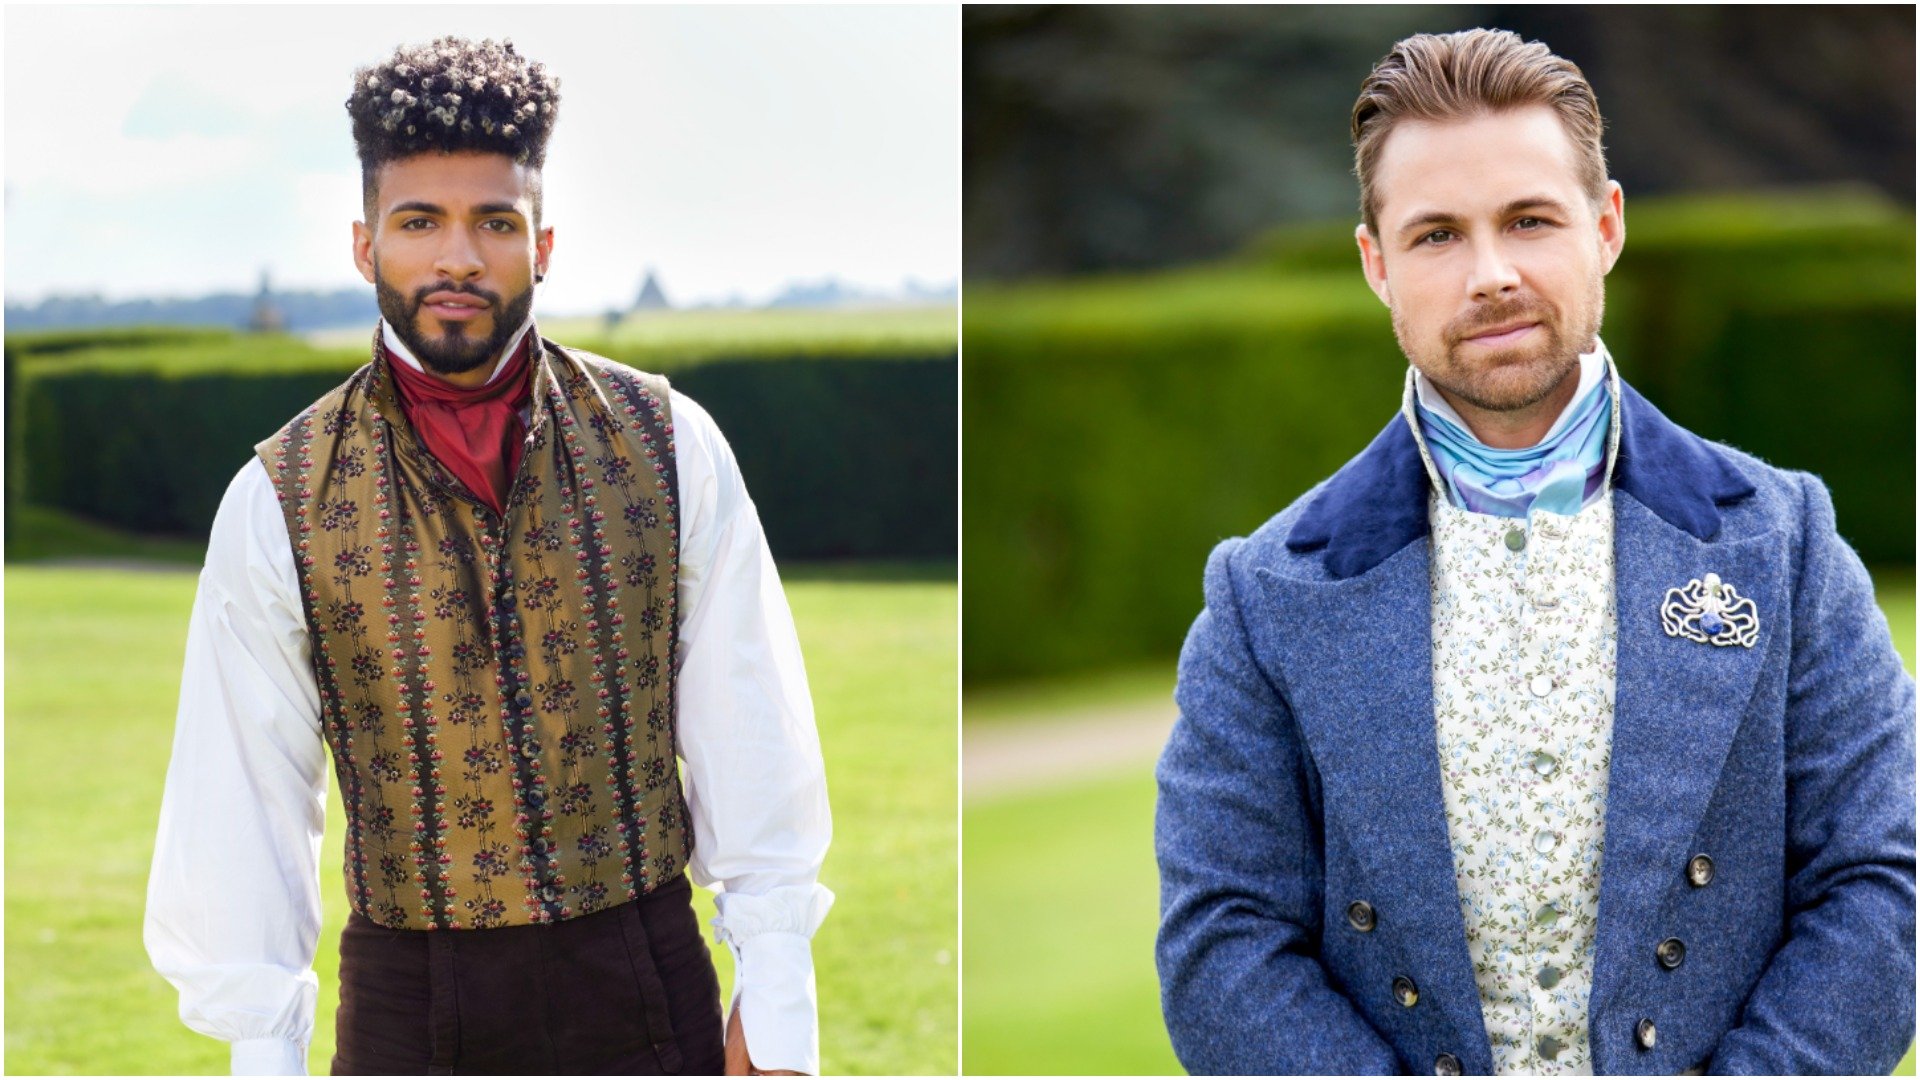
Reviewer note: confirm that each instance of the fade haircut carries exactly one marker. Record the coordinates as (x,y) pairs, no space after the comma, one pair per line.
(1463,75)
(452,95)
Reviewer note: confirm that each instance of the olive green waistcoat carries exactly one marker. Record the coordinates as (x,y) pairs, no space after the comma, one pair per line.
(497,689)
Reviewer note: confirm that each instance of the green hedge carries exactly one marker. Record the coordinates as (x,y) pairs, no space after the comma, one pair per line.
(845,458)
(1117,428)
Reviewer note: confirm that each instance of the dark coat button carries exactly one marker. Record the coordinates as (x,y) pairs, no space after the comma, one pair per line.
(1360,915)
(1671,952)
(1645,1034)
(1699,871)
(1446,1065)
(1404,991)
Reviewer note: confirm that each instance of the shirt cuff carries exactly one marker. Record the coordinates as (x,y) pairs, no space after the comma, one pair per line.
(773,985)
(270,1057)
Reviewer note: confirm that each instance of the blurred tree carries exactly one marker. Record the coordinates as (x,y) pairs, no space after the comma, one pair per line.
(1112,137)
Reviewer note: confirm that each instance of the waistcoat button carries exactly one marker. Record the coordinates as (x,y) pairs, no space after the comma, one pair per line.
(1549,977)
(1540,685)
(523,699)
(1360,915)
(1549,1047)
(1699,871)
(1516,539)
(1545,841)
(1547,915)
(1544,763)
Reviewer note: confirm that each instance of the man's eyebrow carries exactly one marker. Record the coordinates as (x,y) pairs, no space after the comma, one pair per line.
(417,206)
(1525,202)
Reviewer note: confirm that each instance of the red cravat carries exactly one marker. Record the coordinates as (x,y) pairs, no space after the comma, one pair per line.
(476,434)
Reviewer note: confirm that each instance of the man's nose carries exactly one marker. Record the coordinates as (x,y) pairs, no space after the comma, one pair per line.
(1494,274)
(458,257)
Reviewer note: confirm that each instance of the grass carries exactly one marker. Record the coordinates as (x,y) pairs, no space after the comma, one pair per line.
(1062,895)
(94,656)
(1062,902)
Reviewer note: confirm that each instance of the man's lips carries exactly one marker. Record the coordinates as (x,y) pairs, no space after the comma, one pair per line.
(455,307)
(1503,335)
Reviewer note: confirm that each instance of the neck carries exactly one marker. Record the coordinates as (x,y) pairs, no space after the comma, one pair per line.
(472,379)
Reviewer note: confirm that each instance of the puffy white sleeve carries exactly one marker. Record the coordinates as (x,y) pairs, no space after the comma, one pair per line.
(233,903)
(755,782)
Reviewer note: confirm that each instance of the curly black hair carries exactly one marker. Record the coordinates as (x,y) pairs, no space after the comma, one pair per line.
(452,94)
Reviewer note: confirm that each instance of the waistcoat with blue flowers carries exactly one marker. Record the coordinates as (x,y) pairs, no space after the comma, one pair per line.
(497,689)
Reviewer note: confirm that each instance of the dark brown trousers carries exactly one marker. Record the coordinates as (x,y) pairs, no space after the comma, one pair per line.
(628,990)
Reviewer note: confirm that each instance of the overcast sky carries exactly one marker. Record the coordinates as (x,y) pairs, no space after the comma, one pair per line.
(173,151)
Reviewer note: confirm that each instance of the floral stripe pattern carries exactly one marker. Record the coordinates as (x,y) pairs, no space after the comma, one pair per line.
(502,733)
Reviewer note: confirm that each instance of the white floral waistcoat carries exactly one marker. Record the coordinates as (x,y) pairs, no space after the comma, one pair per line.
(1524,634)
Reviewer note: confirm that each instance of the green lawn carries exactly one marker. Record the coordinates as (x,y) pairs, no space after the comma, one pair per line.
(1062,897)
(93,657)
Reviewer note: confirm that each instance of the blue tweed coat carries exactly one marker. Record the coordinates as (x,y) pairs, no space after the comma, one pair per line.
(1304,775)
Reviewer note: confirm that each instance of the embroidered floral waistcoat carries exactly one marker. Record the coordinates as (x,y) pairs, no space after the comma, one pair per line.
(497,689)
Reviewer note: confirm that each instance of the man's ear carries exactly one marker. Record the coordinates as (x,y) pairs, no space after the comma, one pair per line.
(542,250)
(1373,263)
(1612,225)
(363,250)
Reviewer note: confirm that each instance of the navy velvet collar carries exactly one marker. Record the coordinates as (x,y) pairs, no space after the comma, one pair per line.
(1377,503)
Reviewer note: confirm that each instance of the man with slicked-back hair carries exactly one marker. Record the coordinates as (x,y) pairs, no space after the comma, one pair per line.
(1544,736)
(520,596)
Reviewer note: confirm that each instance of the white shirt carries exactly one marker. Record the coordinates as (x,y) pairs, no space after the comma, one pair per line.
(233,904)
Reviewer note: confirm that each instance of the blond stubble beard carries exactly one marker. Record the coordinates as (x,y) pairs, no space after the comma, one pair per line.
(1508,381)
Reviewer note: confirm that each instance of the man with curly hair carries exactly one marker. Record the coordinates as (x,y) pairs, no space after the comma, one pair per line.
(1544,736)
(505,584)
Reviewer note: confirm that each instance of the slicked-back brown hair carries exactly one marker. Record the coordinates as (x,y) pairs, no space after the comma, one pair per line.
(1467,74)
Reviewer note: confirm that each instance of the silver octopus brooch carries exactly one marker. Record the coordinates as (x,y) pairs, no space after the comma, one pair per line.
(1708,610)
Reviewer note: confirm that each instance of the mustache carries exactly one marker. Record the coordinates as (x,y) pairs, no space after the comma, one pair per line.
(1517,311)
(420,295)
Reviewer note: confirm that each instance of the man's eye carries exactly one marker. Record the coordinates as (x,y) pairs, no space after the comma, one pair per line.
(1535,222)
(1443,236)
(505,225)
(411,222)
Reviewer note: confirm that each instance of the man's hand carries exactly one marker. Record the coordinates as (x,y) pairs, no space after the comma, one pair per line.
(738,1063)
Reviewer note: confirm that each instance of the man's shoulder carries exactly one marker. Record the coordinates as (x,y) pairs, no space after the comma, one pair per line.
(608,368)
(328,403)
(1266,549)
(1779,502)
